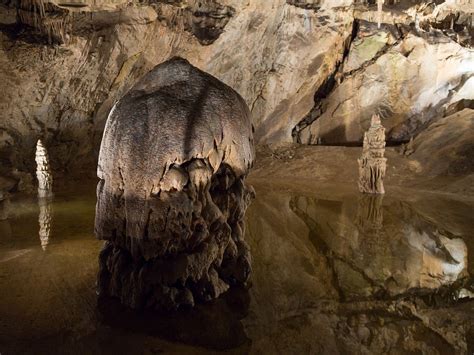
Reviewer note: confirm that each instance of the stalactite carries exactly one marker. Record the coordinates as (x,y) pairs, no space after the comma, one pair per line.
(49,20)
(372,163)
(43,171)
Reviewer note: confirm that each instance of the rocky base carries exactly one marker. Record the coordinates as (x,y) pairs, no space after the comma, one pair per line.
(211,256)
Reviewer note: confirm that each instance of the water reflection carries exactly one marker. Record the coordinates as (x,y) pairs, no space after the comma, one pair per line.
(5,229)
(331,274)
(4,205)
(382,249)
(44,220)
(366,274)
(214,325)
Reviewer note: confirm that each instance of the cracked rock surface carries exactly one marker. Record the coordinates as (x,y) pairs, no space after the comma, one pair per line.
(411,77)
(172,197)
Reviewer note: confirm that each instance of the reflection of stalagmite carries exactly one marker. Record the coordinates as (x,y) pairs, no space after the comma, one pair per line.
(44,220)
(4,205)
(370,214)
(43,171)
(172,196)
(372,163)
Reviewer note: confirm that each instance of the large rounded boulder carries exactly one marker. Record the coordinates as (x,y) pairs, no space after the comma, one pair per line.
(172,196)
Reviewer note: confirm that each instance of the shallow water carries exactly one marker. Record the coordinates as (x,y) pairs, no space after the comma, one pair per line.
(330,274)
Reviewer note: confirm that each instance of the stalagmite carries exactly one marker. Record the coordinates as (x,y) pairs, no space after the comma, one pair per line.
(44,220)
(43,171)
(172,195)
(372,163)
(379,12)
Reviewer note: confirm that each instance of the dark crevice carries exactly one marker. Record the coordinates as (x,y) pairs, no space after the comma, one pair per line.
(326,88)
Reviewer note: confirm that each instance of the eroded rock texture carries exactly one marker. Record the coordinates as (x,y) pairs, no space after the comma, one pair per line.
(274,54)
(310,71)
(171,199)
(412,75)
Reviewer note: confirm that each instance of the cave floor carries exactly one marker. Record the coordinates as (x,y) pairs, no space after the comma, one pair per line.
(334,271)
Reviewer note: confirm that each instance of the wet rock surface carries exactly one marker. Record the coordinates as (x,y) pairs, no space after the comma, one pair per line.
(172,196)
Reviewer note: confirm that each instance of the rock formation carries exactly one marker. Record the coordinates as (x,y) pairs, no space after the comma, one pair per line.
(446,147)
(379,12)
(411,77)
(372,163)
(43,171)
(320,69)
(171,197)
(44,221)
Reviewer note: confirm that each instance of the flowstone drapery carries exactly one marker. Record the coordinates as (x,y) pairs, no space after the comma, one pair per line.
(43,171)
(372,163)
(172,197)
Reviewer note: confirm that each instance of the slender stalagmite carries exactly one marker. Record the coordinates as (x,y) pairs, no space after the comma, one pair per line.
(43,171)
(379,12)
(372,163)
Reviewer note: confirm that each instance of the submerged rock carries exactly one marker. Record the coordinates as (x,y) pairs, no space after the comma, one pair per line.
(171,199)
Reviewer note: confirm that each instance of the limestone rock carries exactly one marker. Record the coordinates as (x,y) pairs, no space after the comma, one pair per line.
(171,197)
(411,79)
(312,71)
(446,146)
(273,53)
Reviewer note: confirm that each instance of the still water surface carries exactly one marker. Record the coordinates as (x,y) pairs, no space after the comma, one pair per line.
(330,274)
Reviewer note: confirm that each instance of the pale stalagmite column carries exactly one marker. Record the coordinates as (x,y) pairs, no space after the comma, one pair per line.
(379,12)
(43,171)
(372,163)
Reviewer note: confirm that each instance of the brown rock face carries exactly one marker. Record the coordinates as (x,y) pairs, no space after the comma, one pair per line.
(171,199)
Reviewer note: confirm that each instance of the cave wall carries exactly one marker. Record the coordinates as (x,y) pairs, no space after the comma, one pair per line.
(310,71)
